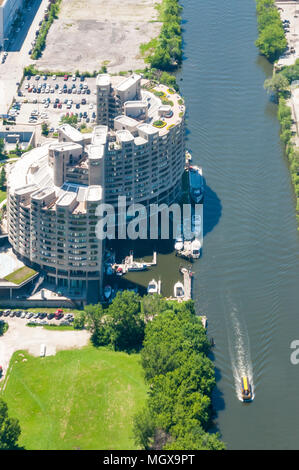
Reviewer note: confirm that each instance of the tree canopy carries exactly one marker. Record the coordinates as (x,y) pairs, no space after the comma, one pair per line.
(9,429)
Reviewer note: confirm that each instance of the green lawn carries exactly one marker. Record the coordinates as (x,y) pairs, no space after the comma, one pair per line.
(77,399)
(2,195)
(20,275)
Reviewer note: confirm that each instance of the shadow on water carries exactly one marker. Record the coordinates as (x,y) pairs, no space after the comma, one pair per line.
(212,210)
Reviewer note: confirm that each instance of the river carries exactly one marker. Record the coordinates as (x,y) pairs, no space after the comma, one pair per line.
(247,279)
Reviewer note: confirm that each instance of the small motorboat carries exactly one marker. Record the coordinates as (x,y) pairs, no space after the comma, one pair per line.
(179,243)
(153,287)
(195,248)
(107,292)
(196,184)
(246,391)
(135,266)
(179,291)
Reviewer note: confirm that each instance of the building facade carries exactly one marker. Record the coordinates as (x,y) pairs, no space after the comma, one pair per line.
(8,10)
(136,150)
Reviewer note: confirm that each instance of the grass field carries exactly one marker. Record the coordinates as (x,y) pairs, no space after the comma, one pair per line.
(77,399)
(2,195)
(20,275)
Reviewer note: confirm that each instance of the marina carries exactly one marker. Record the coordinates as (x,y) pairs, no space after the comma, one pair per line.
(129,264)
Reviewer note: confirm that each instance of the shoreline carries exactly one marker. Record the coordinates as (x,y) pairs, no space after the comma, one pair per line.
(284,85)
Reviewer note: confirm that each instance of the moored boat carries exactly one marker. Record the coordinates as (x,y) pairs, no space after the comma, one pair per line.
(246,390)
(107,292)
(195,248)
(135,266)
(179,243)
(196,184)
(179,291)
(153,287)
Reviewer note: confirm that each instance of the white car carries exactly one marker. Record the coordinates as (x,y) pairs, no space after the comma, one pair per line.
(54,77)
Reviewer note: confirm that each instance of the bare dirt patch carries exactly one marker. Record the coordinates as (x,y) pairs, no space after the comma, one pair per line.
(92,33)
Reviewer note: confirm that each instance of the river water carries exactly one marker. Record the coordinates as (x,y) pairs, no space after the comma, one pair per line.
(247,281)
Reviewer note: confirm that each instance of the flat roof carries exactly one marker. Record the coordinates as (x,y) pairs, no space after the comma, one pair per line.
(148,128)
(66,199)
(127,120)
(71,132)
(124,135)
(128,82)
(94,193)
(95,152)
(103,79)
(29,188)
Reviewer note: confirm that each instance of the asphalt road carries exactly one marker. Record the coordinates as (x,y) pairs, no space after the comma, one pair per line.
(11,71)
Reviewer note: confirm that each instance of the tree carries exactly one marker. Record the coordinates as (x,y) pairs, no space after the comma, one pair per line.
(278,83)
(144,429)
(45,129)
(193,437)
(2,145)
(127,324)
(98,325)
(271,41)
(3,179)
(79,321)
(72,120)
(168,337)
(9,429)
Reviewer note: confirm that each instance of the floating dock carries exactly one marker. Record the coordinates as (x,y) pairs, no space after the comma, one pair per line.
(129,264)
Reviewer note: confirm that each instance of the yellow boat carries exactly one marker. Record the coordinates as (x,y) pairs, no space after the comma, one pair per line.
(246,390)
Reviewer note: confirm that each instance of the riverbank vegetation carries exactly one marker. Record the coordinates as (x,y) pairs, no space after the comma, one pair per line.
(280,85)
(271,39)
(165,51)
(180,378)
(173,346)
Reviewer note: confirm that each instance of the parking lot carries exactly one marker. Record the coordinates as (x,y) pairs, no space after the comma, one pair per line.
(39,318)
(19,336)
(48,98)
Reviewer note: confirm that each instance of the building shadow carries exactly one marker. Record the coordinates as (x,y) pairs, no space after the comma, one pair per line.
(16,39)
(212,210)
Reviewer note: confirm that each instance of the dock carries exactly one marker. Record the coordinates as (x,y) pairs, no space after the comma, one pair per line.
(129,263)
(187,283)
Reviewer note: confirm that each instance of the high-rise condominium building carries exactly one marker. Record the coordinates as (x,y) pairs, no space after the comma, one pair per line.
(136,150)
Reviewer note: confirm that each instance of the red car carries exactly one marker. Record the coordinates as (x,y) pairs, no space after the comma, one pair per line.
(58,314)
(65,77)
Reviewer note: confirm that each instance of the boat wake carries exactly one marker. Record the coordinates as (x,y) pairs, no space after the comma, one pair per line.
(240,352)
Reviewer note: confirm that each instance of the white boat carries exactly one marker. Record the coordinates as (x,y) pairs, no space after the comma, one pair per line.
(153,287)
(179,291)
(107,291)
(196,184)
(179,243)
(195,248)
(135,266)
